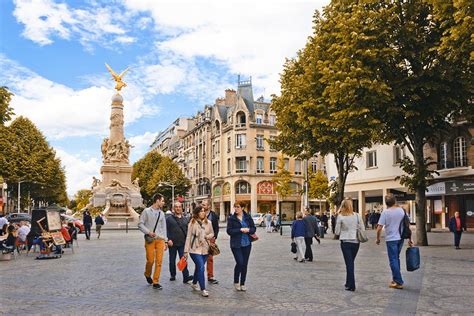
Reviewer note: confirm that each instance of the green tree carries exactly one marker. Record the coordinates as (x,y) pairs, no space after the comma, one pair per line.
(326,94)
(282,183)
(153,169)
(318,186)
(6,111)
(27,157)
(82,198)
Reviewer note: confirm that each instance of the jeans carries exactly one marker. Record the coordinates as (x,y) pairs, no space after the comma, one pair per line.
(180,250)
(87,230)
(199,262)
(241,256)
(309,252)
(349,252)
(457,238)
(393,249)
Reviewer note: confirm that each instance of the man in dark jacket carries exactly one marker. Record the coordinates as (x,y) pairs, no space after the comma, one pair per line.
(311,224)
(211,216)
(176,229)
(87,221)
(456,225)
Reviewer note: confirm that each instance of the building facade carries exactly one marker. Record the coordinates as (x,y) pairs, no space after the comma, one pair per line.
(452,189)
(226,155)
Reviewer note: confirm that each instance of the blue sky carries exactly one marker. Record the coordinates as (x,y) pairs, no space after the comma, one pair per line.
(182,55)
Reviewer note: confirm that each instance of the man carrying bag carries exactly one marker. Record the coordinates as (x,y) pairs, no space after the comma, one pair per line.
(153,225)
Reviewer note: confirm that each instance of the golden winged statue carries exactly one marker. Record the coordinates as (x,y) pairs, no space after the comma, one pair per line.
(118,78)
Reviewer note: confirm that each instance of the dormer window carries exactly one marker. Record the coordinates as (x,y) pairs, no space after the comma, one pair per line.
(241,119)
(259,119)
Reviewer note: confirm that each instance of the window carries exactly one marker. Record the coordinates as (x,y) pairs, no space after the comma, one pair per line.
(204,167)
(272,120)
(273,165)
(229,144)
(240,141)
(213,151)
(371,159)
(460,159)
(241,120)
(443,155)
(218,167)
(398,154)
(272,137)
(241,164)
(314,166)
(297,166)
(242,187)
(259,141)
(229,166)
(287,164)
(260,165)
(218,147)
(259,118)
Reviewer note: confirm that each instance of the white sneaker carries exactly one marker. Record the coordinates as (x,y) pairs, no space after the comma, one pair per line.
(237,286)
(243,288)
(204,293)
(195,287)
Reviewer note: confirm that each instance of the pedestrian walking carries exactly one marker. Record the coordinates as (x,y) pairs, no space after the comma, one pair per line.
(298,233)
(199,236)
(311,224)
(214,219)
(333,223)
(346,228)
(268,222)
(153,224)
(87,221)
(456,226)
(325,222)
(240,226)
(177,229)
(99,221)
(391,220)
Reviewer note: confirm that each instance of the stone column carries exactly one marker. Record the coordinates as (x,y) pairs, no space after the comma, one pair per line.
(384,193)
(222,211)
(253,198)
(232,196)
(361,200)
(116,120)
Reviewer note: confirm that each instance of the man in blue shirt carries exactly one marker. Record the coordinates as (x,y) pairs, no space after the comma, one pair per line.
(391,219)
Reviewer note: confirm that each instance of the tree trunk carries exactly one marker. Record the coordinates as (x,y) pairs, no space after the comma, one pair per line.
(420,202)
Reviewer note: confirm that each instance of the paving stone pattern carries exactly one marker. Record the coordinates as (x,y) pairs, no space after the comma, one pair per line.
(105,277)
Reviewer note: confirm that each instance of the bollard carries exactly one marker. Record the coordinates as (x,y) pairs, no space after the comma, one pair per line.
(126,225)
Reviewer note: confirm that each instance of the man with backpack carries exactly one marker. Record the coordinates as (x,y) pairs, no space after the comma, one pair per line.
(397,228)
(99,221)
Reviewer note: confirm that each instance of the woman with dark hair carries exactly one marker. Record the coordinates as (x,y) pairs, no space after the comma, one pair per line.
(9,243)
(240,226)
(200,233)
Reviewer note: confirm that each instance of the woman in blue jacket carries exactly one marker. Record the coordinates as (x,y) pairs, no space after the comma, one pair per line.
(240,226)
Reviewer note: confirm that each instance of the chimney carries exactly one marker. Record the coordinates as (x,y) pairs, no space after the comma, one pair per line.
(230,97)
(220,101)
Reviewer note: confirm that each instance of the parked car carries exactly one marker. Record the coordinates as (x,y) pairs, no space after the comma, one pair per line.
(18,217)
(259,219)
(77,222)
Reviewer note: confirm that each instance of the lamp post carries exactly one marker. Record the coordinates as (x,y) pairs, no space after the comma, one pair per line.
(172,191)
(305,166)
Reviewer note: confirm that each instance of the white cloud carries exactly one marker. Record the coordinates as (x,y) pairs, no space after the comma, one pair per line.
(252,38)
(60,111)
(141,145)
(79,172)
(46,19)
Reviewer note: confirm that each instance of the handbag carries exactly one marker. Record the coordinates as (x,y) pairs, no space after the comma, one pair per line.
(213,249)
(182,263)
(253,237)
(148,238)
(413,258)
(293,247)
(361,236)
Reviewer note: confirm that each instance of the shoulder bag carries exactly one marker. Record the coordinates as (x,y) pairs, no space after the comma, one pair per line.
(361,236)
(148,238)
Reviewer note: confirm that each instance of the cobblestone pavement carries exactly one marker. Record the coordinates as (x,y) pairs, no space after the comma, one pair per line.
(106,277)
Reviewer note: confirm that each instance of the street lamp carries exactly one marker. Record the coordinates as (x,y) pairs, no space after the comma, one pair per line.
(305,166)
(172,191)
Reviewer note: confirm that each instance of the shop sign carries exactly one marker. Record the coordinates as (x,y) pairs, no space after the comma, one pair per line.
(457,187)
(436,189)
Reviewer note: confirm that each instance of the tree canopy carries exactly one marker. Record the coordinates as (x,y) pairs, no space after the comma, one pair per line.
(6,111)
(154,169)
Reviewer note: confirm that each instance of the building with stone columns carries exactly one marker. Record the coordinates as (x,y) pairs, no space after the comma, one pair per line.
(224,151)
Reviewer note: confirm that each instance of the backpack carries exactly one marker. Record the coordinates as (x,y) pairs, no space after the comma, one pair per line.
(404,228)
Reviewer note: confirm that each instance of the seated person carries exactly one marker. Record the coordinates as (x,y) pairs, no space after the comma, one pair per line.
(9,243)
(72,231)
(4,229)
(23,231)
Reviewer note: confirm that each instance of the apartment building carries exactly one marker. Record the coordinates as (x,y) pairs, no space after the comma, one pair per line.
(226,155)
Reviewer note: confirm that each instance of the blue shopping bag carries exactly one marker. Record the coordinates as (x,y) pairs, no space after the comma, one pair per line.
(413,258)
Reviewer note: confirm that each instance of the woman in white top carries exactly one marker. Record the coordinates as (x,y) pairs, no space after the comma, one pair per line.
(346,228)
